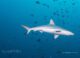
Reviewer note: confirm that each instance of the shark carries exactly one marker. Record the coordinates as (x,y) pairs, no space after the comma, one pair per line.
(50,28)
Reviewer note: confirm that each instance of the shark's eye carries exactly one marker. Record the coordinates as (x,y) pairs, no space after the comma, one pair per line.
(58,31)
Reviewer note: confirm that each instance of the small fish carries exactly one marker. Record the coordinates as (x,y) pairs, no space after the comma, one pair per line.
(63,22)
(45,16)
(73,3)
(25,34)
(57,14)
(32,15)
(55,0)
(59,52)
(66,11)
(63,16)
(46,5)
(35,22)
(54,13)
(38,40)
(37,2)
(62,9)
(42,57)
(64,1)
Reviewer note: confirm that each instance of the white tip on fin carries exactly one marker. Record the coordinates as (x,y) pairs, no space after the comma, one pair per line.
(56,36)
(51,22)
(28,31)
(27,28)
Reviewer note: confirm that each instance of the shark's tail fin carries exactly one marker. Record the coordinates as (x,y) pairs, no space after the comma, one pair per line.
(27,28)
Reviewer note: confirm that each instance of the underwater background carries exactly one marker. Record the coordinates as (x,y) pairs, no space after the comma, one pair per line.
(15,43)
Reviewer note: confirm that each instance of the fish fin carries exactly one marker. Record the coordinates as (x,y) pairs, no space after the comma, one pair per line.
(51,22)
(28,31)
(27,28)
(56,36)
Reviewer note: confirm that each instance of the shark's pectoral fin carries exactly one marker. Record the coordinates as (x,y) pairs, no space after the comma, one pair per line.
(28,31)
(56,36)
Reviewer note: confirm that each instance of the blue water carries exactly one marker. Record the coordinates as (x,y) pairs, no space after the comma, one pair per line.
(15,43)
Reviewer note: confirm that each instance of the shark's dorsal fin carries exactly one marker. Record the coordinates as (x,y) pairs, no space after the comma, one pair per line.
(51,22)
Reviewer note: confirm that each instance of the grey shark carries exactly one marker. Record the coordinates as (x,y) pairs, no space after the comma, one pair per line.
(50,28)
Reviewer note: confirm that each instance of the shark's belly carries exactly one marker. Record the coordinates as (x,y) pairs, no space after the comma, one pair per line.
(48,30)
(44,29)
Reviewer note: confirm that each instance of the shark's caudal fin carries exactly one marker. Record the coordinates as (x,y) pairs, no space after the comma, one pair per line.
(51,22)
(27,28)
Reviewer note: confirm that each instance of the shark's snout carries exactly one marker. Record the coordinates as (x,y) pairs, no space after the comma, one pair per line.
(69,33)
